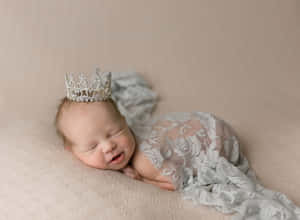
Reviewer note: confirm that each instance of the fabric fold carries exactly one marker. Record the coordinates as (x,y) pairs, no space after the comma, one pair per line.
(133,96)
(230,191)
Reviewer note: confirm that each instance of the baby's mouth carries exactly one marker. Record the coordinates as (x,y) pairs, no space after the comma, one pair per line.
(115,158)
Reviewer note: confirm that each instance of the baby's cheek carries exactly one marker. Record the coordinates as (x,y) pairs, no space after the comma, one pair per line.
(125,141)
(97,160)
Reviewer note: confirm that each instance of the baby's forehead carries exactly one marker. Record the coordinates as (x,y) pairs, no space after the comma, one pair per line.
(101,108)
(97,113)
(81,121)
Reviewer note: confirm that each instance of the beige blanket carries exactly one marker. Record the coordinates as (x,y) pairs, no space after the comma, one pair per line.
(237,59)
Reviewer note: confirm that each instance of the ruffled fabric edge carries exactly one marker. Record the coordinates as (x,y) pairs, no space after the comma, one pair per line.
(232,190)
(133,96)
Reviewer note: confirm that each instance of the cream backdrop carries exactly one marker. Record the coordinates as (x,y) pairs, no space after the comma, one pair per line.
(237,59)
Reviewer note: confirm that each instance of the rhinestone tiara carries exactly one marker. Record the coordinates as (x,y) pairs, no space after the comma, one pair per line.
(88,89)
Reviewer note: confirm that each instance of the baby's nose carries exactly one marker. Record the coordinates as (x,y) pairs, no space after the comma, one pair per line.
(108,146)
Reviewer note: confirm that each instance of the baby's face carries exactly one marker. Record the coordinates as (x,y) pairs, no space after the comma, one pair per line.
(99,136)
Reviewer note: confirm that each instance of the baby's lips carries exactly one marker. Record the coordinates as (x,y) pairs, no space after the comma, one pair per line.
(120,153)
(110,159)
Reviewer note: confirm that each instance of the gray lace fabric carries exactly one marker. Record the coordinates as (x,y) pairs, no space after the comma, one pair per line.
(200,153)
(134,96)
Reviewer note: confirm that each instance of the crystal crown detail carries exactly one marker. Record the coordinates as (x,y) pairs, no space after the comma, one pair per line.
(88,89)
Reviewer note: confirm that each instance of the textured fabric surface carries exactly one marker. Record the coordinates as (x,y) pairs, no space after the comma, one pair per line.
(200,153)
(133,95)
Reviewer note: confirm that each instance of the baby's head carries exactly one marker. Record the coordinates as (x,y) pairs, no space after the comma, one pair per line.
(96,133)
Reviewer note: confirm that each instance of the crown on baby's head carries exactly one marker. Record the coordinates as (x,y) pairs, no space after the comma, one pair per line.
(83,89)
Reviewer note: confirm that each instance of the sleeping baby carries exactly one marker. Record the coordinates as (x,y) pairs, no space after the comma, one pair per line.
(97,134)
(195,153)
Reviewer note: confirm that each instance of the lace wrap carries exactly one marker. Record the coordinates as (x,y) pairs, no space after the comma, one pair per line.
(133,96)
(201,154)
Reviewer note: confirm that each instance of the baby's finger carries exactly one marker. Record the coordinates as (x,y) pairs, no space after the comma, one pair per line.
(133,175)
(129,174)
(138,177)
(128,171)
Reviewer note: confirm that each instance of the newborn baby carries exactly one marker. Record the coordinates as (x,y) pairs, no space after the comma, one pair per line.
(195,153)
(97,134)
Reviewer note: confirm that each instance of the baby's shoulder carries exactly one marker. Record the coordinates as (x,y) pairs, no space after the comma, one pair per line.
(143,165)
(145,168)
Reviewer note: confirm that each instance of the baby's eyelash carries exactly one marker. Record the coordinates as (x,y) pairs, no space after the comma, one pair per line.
(94,146)
(117,132)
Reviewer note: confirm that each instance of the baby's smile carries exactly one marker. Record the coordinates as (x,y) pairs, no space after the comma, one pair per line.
(118,158)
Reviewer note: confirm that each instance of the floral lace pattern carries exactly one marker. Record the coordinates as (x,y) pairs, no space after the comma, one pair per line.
(201,154)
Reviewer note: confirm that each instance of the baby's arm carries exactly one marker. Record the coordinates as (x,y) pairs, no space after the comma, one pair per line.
(132,173)
(162,185)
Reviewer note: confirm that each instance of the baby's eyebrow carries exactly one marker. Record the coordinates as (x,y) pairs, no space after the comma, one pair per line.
(114,126)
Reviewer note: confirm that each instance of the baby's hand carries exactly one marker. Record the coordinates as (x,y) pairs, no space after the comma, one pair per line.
(162,185)
(129,171)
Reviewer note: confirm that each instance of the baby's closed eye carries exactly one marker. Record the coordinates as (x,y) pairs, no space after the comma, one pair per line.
(117,132)
(112,134)
(93,146)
